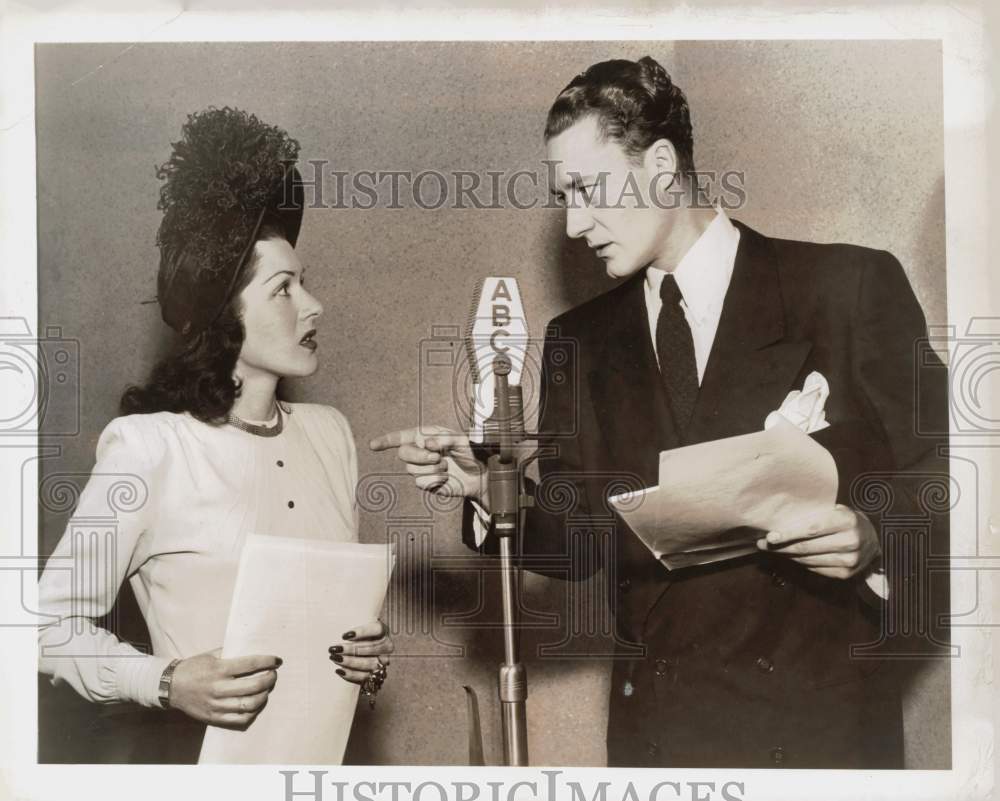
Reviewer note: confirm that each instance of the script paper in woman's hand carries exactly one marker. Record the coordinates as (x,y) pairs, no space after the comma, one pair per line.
(768,480)
(294,598)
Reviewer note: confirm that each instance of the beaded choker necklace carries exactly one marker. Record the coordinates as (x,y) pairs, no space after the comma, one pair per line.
(254,428)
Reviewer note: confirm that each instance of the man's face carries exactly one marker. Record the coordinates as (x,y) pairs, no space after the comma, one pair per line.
(607,198)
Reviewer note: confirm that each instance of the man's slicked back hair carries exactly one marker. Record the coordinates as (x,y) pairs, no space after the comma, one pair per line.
(634,102)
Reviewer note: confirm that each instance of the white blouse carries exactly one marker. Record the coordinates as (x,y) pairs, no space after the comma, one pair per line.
(168,505)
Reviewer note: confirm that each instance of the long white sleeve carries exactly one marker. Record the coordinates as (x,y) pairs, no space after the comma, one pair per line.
(102,545)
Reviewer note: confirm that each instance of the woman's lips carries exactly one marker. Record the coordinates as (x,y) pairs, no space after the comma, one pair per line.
(309,341)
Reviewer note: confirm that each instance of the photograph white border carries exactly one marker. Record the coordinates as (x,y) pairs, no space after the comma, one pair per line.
(968,90)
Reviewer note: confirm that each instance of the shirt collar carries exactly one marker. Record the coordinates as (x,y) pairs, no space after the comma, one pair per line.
(703,274)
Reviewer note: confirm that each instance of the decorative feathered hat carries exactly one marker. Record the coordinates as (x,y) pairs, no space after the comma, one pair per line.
(226,174)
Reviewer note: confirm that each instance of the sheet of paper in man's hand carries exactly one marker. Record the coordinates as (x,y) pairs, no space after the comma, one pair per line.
(770,480)
(295,598)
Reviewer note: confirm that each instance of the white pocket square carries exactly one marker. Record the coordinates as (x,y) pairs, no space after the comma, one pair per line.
(804,408)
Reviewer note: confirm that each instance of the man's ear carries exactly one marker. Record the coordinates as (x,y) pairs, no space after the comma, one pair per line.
(661,163)
(662,157)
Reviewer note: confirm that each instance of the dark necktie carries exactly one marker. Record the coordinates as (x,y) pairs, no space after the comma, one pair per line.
(675,348)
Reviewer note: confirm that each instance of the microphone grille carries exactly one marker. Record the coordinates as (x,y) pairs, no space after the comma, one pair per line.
(470,345)
(491,426)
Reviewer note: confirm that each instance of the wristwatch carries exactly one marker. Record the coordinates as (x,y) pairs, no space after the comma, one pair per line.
(165,679)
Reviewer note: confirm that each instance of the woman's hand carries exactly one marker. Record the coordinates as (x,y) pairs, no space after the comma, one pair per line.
(223,692)
(361,651)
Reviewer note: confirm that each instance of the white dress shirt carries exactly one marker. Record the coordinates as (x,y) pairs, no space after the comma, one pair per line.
(197,490)
(702,276)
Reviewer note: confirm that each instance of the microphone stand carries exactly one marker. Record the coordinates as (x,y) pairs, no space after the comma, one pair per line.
(506,500)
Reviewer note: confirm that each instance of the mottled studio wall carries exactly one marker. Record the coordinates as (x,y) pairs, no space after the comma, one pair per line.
(838,142)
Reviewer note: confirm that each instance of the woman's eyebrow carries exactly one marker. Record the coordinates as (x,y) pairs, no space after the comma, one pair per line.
(280,272)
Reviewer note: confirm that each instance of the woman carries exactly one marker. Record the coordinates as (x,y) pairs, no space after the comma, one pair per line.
(208,454)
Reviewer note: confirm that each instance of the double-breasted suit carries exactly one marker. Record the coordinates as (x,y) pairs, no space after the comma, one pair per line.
(747,663)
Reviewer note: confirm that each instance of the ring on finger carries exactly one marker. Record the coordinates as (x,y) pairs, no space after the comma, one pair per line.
(373,683)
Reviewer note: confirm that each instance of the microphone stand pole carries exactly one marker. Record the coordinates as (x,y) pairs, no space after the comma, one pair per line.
(505,506)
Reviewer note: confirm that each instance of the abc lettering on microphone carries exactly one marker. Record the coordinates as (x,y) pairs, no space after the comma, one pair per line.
(457,364)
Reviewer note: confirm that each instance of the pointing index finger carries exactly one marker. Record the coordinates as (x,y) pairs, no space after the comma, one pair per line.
(445,441)
(394,439)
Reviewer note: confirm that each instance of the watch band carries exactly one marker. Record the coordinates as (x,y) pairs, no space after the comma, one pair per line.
(165,679)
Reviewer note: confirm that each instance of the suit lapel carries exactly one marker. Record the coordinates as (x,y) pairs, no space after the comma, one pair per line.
(750,368)
(629,400)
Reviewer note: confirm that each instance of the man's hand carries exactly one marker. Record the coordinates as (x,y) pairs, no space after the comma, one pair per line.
(439,459)
(838,544)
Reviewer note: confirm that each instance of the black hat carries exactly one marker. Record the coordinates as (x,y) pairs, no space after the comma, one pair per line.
(228,172)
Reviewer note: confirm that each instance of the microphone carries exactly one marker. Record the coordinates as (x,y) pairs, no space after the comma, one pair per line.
(496,342)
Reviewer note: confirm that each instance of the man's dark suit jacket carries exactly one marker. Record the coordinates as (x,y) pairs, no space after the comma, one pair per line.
(748,663)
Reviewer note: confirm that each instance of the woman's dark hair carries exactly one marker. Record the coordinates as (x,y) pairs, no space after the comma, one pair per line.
(634,102)
(197,376)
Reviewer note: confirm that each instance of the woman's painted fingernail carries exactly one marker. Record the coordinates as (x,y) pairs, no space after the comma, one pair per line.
(280,661)
(350,635)
(338,658)
(341,672)
(336,649)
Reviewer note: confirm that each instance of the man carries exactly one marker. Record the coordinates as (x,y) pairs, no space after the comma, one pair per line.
(746,662)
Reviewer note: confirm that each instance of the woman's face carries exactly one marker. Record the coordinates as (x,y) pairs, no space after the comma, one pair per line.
(279,315)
